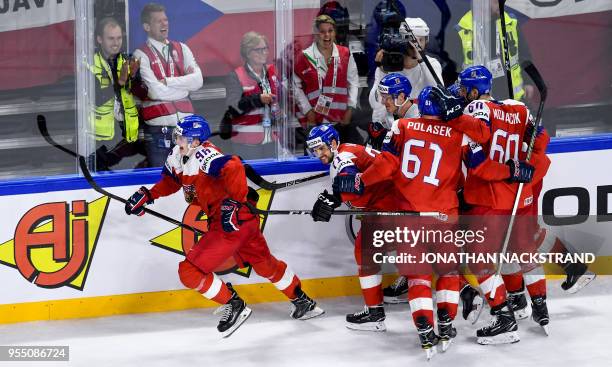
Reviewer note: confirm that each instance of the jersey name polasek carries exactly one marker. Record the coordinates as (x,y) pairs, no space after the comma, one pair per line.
(431,129)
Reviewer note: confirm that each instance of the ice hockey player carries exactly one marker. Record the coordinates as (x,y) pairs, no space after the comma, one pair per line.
(423,158)
(495,170)
(393,92)
(323,141)
(217,183)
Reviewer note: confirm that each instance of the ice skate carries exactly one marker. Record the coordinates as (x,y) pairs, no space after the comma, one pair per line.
(501,330)
(539,312)
(427,336)
(577,277)
(396,292)
(472,303)
(370,319)
(446,330)
(234,313)
(304,307)
(518,303)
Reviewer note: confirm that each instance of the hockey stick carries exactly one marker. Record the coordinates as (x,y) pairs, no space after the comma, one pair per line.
(250,172)
(258,211)
(265,184)
(41,121)
(94,185)
(415,43)
(535,75)
(42,127)
(502,12)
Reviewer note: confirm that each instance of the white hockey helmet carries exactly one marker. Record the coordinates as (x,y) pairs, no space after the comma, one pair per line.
(417,25)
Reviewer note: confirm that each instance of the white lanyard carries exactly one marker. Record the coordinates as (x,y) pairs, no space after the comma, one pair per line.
(265,85)
(497,41)
(335,76)
(170,61)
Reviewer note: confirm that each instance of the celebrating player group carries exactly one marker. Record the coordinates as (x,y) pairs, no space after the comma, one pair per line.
(466,155)
(463,153)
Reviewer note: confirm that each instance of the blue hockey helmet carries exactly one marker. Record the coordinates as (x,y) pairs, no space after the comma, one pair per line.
(322,134)
(455,89)
(476,77)
(427,104)
(192,127)
(393,84)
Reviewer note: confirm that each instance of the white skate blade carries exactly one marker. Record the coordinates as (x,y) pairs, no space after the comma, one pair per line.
(545,327)
(522,314)
(429,353)
(396,300)
(582,282)
(446,344)
(244,315)
(477,308)
(505,338)
(312,313)
(368,326)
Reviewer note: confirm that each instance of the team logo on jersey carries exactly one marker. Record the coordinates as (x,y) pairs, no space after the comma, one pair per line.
(189,192)
(180,240)
(54,246)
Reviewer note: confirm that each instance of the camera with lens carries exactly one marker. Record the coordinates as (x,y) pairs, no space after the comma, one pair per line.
(394,45)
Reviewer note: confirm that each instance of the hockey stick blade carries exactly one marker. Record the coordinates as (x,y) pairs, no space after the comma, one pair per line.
(258,211)
(265,184)
(535,75)
(94,185)
(41,121)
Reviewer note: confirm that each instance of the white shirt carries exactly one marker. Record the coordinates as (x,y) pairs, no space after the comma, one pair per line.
(321,64)
(177,87)
(419,78)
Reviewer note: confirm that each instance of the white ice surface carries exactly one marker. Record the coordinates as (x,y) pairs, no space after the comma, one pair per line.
(580,327)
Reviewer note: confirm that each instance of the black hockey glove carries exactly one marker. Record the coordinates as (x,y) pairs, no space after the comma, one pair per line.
(324,207)
(377,133)
(451,106)
(135,204)
(349,184)
(520,171)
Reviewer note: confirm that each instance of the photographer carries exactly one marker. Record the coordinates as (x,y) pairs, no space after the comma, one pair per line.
(397,54)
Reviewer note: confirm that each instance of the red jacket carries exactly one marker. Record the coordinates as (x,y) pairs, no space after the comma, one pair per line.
(153,108)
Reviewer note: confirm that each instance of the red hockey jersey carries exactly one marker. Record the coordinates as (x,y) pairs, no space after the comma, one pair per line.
(207,178)
(486,183)
(353,159)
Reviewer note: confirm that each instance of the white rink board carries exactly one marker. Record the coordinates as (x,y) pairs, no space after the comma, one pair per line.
(124,261)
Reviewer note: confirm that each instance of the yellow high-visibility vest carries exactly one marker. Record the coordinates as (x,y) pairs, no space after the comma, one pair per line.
(467,36)
(103,116)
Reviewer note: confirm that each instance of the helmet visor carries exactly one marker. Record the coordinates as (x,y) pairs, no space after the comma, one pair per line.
(179,139)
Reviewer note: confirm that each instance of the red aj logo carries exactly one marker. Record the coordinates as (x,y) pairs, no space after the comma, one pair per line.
(180,240)
(53,246)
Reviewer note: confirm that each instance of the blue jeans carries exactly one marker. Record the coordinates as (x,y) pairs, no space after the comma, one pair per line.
(158,144)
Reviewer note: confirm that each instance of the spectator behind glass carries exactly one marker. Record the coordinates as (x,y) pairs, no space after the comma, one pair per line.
(326,82)
(252,90)
(170,72)
(518,50)
(117,79)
